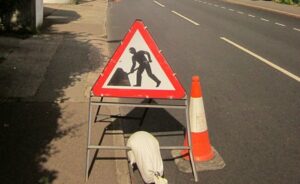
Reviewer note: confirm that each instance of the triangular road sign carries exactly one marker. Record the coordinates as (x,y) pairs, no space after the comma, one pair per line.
(138,69)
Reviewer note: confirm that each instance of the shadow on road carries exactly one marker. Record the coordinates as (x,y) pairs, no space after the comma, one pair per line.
(168,126)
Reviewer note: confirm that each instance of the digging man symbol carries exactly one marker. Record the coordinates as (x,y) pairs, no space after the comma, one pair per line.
(144,64)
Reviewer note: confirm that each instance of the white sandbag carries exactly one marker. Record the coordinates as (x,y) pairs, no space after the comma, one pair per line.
(145,153)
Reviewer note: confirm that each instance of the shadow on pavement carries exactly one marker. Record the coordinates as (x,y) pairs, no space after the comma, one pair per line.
(29,125)
(53,17)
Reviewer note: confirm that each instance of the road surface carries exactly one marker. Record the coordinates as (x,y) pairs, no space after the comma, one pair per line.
(248,62)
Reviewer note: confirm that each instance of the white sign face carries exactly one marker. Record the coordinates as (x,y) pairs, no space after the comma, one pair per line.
(138,68)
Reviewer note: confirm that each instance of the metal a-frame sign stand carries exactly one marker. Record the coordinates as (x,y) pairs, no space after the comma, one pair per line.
(100,92)
(96,102)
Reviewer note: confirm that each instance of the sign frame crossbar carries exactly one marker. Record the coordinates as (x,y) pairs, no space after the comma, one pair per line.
(93,102)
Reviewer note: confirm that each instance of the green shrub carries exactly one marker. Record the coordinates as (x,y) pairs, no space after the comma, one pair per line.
(288,1)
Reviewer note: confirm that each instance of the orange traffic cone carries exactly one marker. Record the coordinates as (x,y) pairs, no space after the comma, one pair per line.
(201,147)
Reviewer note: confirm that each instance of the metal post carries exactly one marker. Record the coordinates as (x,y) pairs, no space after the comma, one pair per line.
(88,141)
(189,141)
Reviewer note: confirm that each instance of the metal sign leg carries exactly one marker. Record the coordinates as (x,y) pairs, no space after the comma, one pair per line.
(88,141)
(190,142)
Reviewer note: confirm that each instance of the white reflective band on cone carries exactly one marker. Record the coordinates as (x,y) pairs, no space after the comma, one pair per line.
(197,115)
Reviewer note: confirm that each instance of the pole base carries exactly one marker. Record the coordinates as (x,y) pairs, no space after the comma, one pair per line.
(183,165)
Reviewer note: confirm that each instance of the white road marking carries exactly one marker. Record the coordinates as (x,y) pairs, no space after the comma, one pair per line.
(193,22)
(223,7)
(159,4)
(251,15)
(279,24)
(209,3)
(263,19)
(231,9)
(216,5)
(296,29)
(293,76)
(239,12)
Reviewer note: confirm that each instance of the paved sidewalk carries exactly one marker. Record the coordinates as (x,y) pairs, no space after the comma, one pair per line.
(290,10)
(45,82)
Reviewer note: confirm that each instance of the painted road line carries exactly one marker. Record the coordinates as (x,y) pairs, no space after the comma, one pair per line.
(251,15)
(239,12)
(263,19)
(223,7)
(159,4)
(231,9)
(279,24)
(296,29)
(182,16)
(293,76)
(216,5)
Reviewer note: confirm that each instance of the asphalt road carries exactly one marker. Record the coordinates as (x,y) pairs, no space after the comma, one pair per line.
(248,62)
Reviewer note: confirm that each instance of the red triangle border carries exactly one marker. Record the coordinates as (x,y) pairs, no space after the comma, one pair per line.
(98,90)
